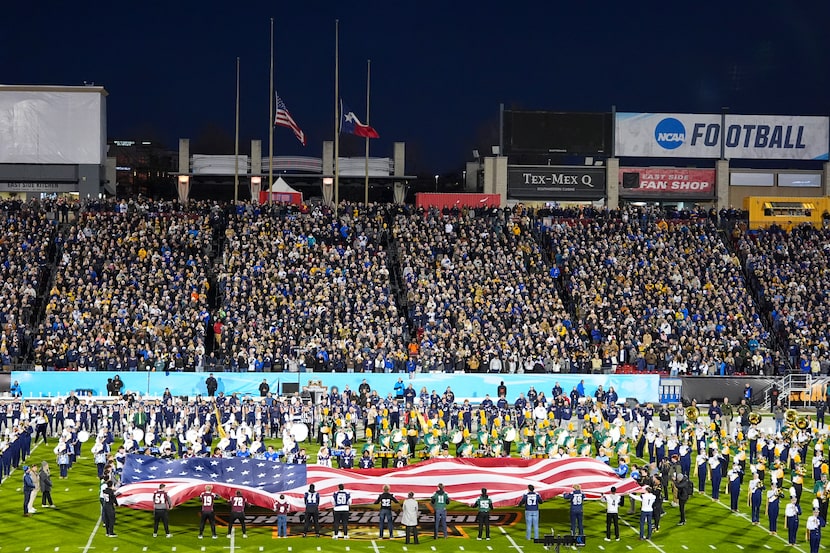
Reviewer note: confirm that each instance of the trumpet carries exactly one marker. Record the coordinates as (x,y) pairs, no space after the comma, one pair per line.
(692,413)
(791,416)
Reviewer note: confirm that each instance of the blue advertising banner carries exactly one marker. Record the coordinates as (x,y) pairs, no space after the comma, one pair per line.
(472,386)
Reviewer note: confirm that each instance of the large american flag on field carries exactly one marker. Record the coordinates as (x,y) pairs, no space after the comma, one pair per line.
(262,481)
(283,119)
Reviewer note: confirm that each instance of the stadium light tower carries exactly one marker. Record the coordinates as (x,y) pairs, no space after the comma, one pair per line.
(436,183)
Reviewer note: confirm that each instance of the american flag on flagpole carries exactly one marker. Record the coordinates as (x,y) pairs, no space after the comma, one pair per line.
(283,119)
(261,481)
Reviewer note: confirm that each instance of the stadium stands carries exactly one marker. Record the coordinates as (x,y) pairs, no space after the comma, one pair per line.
(137,284)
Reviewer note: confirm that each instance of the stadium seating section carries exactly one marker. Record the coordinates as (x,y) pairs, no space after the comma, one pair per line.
(138,285)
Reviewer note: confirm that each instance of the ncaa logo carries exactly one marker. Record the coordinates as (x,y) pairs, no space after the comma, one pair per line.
(670,133)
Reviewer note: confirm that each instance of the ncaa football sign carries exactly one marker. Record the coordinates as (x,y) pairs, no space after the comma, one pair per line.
(685,135)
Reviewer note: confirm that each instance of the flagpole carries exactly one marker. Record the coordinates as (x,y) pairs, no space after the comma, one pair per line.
(366,183)
(236,142)
(336,116)
(271,119)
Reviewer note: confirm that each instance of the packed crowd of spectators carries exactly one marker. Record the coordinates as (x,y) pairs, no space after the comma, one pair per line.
(306,288)
(662,294)
(793,273)
(479,293)
(126,285)
(130,290)
(25,241)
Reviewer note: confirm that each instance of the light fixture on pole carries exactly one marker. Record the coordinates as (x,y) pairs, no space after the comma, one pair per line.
(436,183)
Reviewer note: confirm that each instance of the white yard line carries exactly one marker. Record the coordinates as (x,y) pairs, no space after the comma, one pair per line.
(88,545)
(513,543)
(637,531)
(740,514)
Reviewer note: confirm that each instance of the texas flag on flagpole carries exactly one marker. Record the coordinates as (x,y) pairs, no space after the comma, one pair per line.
(350,124)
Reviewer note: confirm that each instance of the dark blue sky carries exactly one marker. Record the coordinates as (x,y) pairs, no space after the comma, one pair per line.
(439,69)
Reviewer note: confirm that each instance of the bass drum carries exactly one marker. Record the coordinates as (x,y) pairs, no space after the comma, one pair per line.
(138,435)
(299,431)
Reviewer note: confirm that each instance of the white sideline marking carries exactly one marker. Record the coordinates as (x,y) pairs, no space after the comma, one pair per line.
(513,543)
(92,535)
(637,531)
(742,515)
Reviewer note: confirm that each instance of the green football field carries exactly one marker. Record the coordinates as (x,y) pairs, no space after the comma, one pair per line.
(75,526)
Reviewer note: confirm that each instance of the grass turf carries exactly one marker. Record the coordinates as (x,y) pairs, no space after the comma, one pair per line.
(74,526)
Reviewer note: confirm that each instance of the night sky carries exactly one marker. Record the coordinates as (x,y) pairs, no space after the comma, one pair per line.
(439,69)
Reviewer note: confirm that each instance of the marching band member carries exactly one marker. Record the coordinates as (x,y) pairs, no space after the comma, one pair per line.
(324,456)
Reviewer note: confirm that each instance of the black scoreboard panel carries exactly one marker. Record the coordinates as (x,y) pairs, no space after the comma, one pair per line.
(548,132)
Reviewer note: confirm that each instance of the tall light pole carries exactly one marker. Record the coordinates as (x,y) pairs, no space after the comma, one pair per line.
(436,183)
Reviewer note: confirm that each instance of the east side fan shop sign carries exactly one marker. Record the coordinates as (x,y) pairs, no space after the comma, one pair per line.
(637,182)
(550,182)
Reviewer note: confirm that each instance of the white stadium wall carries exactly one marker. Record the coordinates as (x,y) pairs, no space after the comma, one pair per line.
(53,125)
